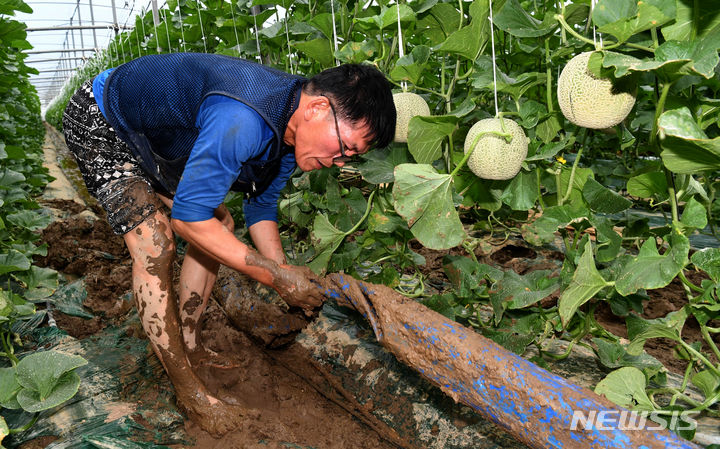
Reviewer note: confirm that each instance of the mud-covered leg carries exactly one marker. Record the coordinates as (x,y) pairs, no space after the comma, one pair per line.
(152,249)
(197,277)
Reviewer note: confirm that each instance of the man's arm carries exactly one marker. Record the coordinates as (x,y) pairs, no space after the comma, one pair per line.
(266,237)
(294,284)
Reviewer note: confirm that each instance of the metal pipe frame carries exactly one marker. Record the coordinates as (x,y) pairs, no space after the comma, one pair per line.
(78,27)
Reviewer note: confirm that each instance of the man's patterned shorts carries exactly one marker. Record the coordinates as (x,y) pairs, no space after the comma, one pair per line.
(111,172)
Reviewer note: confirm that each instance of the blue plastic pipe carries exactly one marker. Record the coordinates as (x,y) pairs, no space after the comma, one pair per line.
(539,408)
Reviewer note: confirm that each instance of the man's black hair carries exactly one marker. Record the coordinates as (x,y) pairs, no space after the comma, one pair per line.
(360,94)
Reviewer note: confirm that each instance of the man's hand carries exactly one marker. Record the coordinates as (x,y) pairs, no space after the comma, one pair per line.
(295,285)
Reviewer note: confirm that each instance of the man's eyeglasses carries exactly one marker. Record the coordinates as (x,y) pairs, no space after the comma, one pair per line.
(344,157)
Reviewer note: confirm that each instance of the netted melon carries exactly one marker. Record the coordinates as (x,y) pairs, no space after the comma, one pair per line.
(407,105)
(493,156)
(589,101)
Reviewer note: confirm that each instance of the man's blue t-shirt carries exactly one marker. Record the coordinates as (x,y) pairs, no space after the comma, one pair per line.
(230,134)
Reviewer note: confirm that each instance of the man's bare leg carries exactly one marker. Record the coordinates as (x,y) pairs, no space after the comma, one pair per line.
(152,249)
(197,277)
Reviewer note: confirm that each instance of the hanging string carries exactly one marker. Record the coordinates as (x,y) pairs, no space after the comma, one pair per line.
(257,39)
(142,24)
(335,38)
(182,27)
(596,36)
(167,29)
(492,43)
(202,30)
(232,13)
(130,48)
(287,36)
(401,47)
(158,48)
(123,49)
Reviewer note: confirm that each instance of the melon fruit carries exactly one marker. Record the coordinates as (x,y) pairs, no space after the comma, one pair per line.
(407,106)
(589,101)
(493,157)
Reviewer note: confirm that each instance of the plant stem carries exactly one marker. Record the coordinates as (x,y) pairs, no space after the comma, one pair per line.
(687,282)
(548,74)
(26,426)
(365,215)
(561,19)
(701,357)
(659,109)
(574,167)
(709,341)
(539,188)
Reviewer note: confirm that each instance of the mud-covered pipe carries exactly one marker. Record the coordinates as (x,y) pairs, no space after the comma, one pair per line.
(535,406)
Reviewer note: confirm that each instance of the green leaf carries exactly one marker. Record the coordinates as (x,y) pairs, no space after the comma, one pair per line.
(650,269)
(707,381)
(65,388)
(613,355)
(41,372)
(669,327)
(513,19)
(689,20)
(514,291)
(648,185)
(694,214)
(13,261)
(585,284)
(470,39)
(30,220)
(624,18)
(9,177)
(603,200)
(708,260)
(39,282)
(423,198)
(411,67)
(9,386)
(426,134)
(522,192)
(466,275)
(626,388)
(318,49)
(543,229)
(326,238)
(686,148)
(673,59)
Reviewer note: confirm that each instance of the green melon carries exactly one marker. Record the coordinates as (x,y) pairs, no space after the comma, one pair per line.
(589,101)
(407,106)
(494,157)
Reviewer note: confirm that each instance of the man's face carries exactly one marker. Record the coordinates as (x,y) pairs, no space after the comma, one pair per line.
(317,143)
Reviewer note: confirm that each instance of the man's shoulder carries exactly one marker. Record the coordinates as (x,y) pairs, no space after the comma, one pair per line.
(231,111)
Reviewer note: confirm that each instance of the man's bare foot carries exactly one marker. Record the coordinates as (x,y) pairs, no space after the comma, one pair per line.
(213,415)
